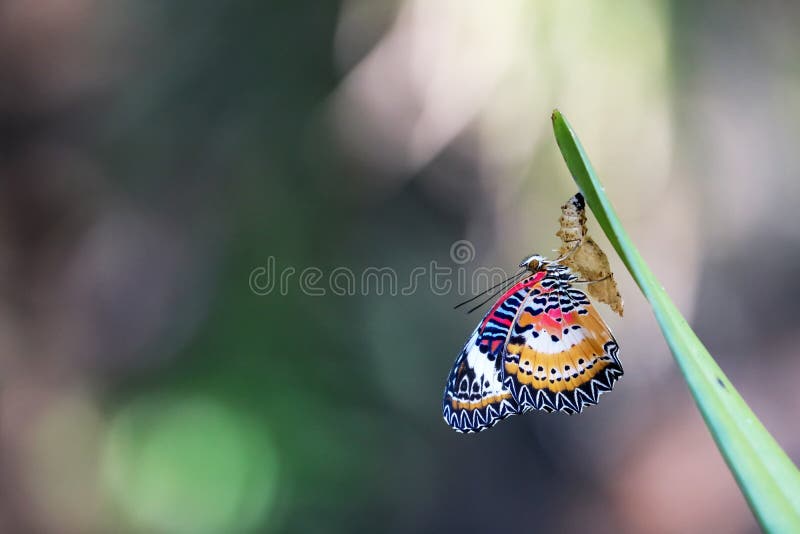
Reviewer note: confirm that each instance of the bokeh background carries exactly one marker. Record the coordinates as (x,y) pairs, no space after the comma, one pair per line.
(154,154)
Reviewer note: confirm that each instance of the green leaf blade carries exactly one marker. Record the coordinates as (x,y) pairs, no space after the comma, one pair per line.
(766,475)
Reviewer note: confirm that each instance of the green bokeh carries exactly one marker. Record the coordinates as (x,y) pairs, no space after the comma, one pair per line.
(188,465)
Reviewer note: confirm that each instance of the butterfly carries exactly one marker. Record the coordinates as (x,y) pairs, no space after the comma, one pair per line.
(542,346)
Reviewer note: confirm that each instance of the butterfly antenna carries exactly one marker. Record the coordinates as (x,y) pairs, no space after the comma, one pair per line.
(507,283)
(485,291)
(481,304)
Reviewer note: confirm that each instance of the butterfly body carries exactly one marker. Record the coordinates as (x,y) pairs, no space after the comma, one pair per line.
(541,346)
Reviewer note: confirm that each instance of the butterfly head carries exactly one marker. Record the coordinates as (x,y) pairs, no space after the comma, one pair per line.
(534,263)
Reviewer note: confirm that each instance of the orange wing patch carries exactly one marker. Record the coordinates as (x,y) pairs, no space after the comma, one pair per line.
(478,404)
(563,371)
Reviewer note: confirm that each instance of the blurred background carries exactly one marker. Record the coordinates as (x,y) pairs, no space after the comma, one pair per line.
(155,156)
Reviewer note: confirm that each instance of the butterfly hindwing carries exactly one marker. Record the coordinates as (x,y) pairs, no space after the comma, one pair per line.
(560,355)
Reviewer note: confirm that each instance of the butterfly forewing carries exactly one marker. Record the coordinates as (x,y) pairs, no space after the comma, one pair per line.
(561,356)
(475,397)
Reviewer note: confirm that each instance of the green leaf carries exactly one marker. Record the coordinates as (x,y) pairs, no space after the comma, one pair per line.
(767,477)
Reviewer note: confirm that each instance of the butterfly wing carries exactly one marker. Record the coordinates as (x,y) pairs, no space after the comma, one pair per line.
(560,355)
(475,397)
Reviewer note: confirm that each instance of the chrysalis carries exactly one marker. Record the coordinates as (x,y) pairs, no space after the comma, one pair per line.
(585,257)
